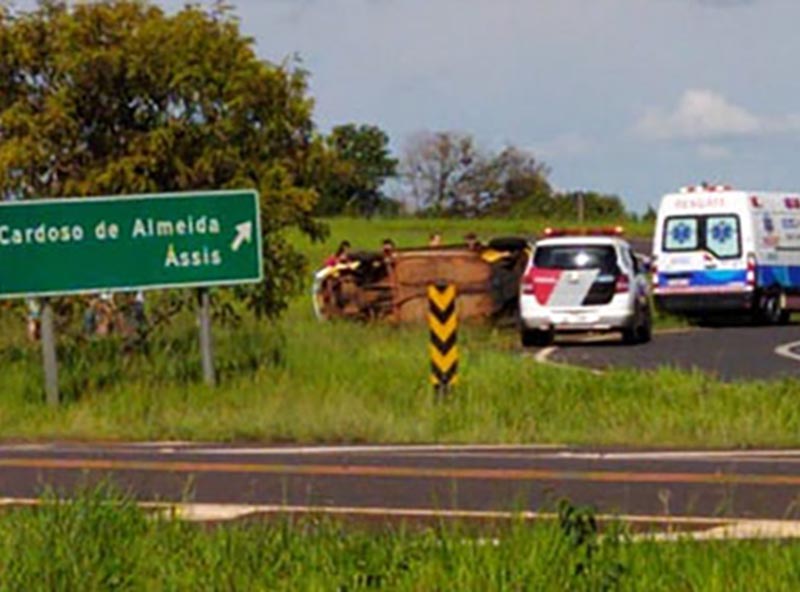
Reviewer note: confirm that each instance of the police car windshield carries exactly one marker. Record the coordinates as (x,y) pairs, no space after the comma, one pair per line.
(576,257)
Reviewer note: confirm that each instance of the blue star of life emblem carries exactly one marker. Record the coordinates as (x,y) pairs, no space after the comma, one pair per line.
(722,232)
(681,233)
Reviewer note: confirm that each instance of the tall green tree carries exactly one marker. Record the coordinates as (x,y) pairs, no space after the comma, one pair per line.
(118,97)
(445,172)
(504,180)
(358,163)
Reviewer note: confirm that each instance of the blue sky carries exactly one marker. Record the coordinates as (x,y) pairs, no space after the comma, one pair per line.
(634,97)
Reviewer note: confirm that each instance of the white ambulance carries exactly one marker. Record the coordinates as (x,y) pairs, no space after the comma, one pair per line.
(718,250)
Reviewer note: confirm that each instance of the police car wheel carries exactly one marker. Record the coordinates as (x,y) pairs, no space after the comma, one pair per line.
(640,330)
(646,328)
(629,336)
(536,338)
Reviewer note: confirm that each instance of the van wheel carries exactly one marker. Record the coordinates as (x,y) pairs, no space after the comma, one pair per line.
(770,310)
(536,338)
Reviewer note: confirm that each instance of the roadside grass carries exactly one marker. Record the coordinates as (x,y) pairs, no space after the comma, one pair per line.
(300,380)
(103,541)
(304,381)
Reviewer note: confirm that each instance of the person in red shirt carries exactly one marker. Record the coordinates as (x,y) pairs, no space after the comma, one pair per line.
(342,255)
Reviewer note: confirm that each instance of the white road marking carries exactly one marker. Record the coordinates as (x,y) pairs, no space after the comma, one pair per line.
(139,447)
(744,456)
(532,451)
(25,447)
(209,512)
(785,350)
(19,501)
(716,528)
(159,443)
(543,355)
(211,448)
(740,530)
(380,449)
(688,455)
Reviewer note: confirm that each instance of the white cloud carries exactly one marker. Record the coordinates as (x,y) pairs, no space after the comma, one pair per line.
(699,114)
(704,114)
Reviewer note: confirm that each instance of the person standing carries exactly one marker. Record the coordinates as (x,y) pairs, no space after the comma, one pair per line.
(342,255)
(473,244)
(139,317)
(34,325)
(388,250)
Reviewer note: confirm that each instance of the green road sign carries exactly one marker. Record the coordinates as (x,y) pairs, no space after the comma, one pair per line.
(64,246)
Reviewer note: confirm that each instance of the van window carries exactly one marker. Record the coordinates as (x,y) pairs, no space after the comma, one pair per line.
(681,234)
(573,257)
(722,236)
(718,234)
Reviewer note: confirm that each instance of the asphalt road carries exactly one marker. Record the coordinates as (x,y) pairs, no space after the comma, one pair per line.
(680,488)
(731,353)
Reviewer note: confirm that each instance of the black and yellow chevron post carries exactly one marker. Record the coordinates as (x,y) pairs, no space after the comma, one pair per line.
(443,323)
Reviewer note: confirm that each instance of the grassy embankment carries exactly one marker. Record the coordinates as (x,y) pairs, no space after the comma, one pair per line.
(305,381)
(92,544)
(368,235)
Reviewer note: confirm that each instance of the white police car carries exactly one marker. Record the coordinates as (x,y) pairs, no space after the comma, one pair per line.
(584,281)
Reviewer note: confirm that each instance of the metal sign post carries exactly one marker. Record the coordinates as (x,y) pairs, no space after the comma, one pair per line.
(48,336)
(67,246)
(206,341)
(443,324)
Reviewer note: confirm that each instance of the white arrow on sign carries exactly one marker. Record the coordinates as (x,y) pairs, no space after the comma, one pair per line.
(244,233)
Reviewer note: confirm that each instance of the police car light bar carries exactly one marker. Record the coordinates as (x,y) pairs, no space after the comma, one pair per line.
(603,231)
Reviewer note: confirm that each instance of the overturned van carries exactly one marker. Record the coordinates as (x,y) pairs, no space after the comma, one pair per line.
(372,286)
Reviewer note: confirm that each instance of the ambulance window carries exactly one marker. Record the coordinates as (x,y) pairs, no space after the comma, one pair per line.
(722,236)
(680,234)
